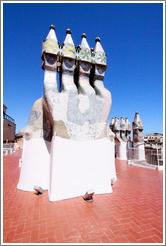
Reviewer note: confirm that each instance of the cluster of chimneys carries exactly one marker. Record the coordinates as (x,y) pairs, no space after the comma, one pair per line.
(120,125)
(81,53)
(124,125)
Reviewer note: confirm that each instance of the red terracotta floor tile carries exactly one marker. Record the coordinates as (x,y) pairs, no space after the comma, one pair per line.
(133,213)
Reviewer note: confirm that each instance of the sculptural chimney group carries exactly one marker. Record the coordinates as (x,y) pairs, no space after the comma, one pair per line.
(122,130)
(123,143)
(68,145)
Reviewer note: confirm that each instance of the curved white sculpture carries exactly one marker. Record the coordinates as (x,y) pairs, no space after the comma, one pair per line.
(76,146)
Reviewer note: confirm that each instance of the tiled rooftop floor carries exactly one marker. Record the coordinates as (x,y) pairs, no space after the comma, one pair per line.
(131,214)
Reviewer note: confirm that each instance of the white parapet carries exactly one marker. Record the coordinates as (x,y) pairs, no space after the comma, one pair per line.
(78,166)
(35,168)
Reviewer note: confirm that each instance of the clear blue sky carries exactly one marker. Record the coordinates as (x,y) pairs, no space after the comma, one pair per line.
(131,35)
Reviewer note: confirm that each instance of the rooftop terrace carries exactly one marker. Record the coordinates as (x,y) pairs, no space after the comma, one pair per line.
(133,213)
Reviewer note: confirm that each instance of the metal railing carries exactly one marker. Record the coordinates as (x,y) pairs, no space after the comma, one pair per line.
(6,116)
(8,145)
(8,148)
(153,156)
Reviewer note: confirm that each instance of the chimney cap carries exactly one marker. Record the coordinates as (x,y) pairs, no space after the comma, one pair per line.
(68,31)
(83,35)
(52,27)
(97,39)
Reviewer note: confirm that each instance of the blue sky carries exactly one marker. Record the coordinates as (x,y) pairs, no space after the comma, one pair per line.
(131,35)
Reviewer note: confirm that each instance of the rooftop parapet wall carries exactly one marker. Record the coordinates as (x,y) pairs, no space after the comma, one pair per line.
(6,116)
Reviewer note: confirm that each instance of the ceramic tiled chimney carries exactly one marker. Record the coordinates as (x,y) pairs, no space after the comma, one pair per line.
(138,138)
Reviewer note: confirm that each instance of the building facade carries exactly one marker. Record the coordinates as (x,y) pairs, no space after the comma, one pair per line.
(9,127)
(154,138)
